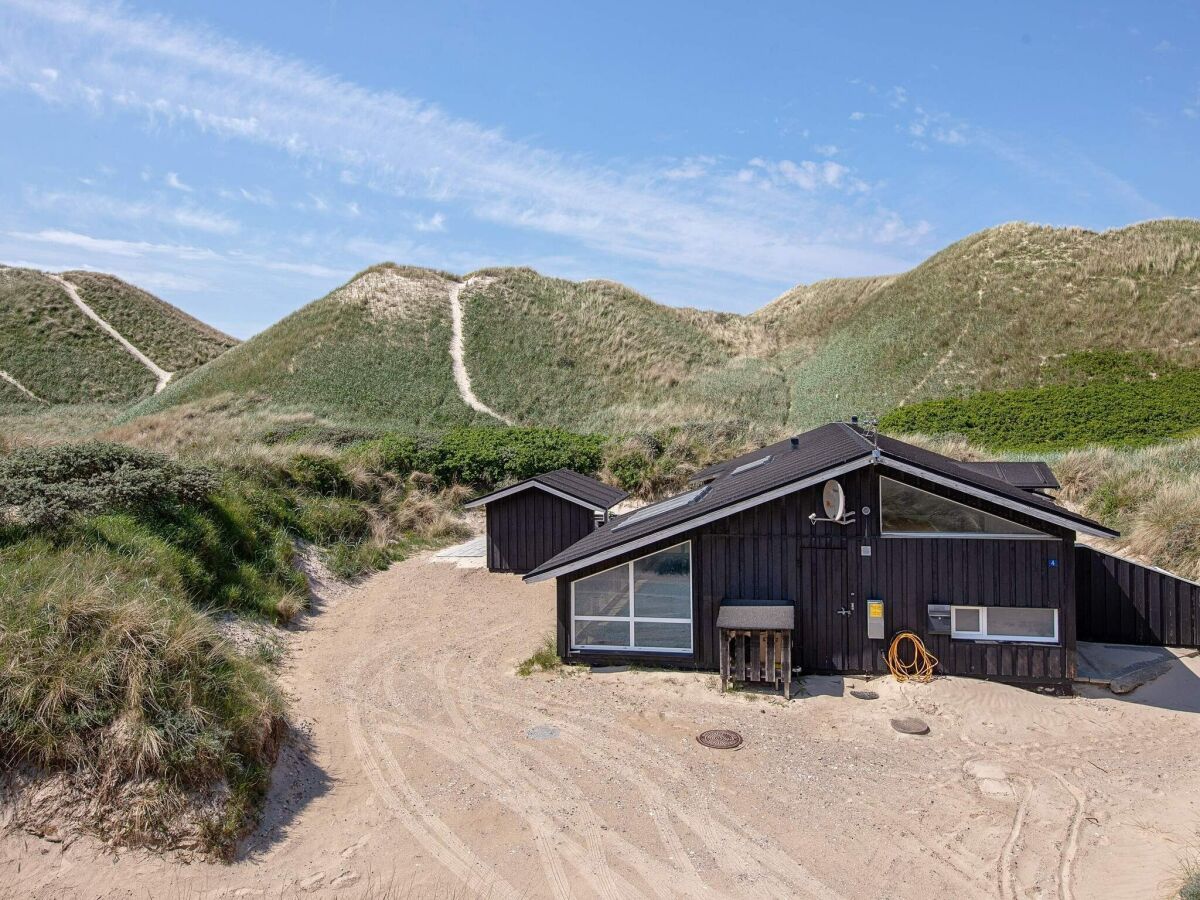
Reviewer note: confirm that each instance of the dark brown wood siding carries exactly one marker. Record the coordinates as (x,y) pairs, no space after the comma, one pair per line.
(1126,603)
(773,552)
(527,528)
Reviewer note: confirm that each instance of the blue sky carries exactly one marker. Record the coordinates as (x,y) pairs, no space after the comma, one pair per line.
(243,159)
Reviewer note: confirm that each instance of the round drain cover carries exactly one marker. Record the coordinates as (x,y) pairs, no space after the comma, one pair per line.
(720,739)
(541,732)
(910,726)
(865,695)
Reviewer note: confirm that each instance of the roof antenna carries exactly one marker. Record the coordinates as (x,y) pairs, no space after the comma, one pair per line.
(871,426)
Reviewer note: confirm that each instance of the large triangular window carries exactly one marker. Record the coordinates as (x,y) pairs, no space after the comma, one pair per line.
(909,510)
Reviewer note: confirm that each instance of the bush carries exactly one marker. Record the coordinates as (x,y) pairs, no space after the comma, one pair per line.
(48,488)
(318,474)
(1102,411)
(484,456)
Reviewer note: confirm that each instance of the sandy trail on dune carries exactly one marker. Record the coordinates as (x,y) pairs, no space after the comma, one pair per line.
(462,377)
(424,763)
(20,387)
(162,376)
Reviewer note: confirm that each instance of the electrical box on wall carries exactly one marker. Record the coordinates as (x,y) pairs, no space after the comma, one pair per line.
(875,622)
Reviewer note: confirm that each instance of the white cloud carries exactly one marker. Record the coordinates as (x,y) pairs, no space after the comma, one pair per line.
(806,174)
(690,168)
(436,222)
(857,116)
(116,62)
(256,196)
(172,181)
(826,149)
(93,205)
(114,247)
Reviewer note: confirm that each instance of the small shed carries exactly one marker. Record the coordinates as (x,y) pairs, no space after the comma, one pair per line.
(536,519)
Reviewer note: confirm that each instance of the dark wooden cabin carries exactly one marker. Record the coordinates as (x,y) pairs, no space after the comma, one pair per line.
(536,519)
(980,567)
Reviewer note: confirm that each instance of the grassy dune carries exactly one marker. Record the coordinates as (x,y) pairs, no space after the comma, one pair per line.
(174,340)
(995,311)
(60,355)
(376,350)
(49,346)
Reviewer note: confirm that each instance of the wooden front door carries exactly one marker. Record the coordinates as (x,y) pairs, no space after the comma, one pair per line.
(826,610)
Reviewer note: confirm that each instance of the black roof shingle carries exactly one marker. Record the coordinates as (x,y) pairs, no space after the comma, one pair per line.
(805,456)
(593,493)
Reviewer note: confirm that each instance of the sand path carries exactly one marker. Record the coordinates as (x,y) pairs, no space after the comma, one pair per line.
(20,387)
(462,377)
(424,764)
(161,375)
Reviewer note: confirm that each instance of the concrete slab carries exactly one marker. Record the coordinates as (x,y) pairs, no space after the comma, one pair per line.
(1123,667)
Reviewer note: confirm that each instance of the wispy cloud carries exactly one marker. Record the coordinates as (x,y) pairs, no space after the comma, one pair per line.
(113,246)
(115,62)
(436,222)
(91,206)
(174,182)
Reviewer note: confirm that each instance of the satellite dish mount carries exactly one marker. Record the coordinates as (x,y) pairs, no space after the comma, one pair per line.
(833,499)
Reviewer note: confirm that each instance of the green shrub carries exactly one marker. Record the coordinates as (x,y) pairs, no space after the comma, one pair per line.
(487,456)
(631,468)
(47,488)
(1109,365)
(318,474)
(1102,411)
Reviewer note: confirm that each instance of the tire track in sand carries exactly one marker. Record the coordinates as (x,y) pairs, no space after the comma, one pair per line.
(402,799)
(752,855)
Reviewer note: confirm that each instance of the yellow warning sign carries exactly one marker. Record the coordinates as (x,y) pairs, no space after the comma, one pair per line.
(874,609)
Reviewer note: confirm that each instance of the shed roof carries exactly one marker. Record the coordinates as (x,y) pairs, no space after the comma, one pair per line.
(1029,476)
(754,614)
(565,483)
(821,453)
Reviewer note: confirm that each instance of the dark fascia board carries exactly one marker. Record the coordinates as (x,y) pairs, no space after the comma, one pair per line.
(1047,512)
(527,485)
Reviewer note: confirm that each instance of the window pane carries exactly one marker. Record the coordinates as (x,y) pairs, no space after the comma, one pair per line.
(662,635)
(966,620)
(662,586)
(603,594)
(1015,621)
(601,634)
(909,509)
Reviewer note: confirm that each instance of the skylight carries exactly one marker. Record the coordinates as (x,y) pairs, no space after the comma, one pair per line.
(657,509)
(753,464)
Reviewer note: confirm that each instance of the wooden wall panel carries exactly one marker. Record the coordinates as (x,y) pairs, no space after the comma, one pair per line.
(1123,602)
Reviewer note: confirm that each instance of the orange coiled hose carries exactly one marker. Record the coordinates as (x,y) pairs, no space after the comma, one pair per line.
(919,668)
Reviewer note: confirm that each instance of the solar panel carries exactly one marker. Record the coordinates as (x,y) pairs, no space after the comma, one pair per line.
(753,464)
(657,509)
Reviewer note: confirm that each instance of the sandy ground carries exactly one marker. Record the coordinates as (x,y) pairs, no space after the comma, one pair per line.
(424,766)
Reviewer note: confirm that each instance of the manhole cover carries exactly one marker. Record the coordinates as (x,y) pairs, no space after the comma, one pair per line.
(910,726)
(865,695)
(541,733)
(720,739)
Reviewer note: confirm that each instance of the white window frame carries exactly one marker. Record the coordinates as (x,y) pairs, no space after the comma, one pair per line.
(633,617)
(984,635)
(968,535)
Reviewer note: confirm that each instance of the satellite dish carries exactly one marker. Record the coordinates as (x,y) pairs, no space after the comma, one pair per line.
(833,498)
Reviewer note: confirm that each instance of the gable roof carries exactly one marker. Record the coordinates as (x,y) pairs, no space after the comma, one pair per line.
(809,458)
(565,483)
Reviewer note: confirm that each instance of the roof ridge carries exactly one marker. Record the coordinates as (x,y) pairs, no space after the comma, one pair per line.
(857,432)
